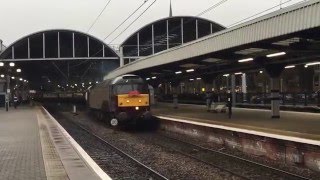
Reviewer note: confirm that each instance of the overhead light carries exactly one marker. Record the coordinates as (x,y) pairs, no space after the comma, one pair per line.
(238,73)
(11,64)
(67,85)
(2,75)
(97,82)
(289,67)
(178,72)
(245,60)
(58,85)
(21,79)
(18,70)
(1,64)
(25,80)
(226,75)
(90,83)
(147,79)
(191,79)
(277,54)
(75,84)
(12,77)
(198,78)
(260,72)
(312,64)
(154,77)
(190,70)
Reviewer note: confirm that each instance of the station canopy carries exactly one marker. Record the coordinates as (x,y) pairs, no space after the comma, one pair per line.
(61,57)
(165,34)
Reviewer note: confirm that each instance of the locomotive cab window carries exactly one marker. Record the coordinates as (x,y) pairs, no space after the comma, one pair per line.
(125,88)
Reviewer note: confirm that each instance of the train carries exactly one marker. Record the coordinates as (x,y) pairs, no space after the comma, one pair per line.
(122,100)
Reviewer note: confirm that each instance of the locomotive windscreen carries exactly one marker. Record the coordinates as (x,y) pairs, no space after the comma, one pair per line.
(128,87)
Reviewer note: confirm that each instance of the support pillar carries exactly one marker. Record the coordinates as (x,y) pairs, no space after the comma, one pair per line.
(233,89)
(121,57)
(244,86)
(274,72)
(275,97)
(175,89)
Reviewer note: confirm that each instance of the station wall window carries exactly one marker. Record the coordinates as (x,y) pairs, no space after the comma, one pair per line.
(174,32)
(189,29)
(146,41)
(66,49)
(160,39)
(95,48)
(131,47)
(204,28)
(21,49)
(80,45)
(51,39)
(36,46)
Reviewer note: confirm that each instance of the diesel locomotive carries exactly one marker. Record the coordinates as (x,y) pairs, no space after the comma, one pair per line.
(120,100)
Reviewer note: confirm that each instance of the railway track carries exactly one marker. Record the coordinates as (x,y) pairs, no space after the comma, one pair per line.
(117,163)
(237,166)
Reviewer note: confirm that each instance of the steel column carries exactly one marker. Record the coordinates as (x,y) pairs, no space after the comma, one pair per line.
(275,97)
(233,89)
(73,49)
(44,45)
(88,43)
(121,56)
(197,30)
(168,34)
(152,39)
(182,39)
(59,45)
(12,52)
(103,55)
(138,43)
(28,48)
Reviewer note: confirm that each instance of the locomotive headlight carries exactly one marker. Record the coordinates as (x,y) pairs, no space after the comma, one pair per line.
(137,108)
(140,101)
(128,101)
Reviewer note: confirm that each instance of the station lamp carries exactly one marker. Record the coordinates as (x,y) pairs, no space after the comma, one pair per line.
(1,64)
(245,60)
(11,64)
(97,82)
(190,70)
(18,70)
(178,72)
(147,79)
(12,77)
(2,75)
(312,64)
(198,78)
(226,75)
(260,72)
(191,79)
(289,67)
(276,54)
(154,77)
(238,73)
(21,79)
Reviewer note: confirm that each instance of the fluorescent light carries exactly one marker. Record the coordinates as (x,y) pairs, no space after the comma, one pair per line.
(11,64)
(75,84)
(289,67)
(90,83)
(154,77)
(2,75)
(97,82)
(190,70)
(226,75)
(147,79)
(25,80)
(312,64)
(178,72)
(191,79)
(18,70)
(21,79)
(276,54)
(238,73)
(245,60)
(260,72)
(12,77)
(1,64)
(198,78)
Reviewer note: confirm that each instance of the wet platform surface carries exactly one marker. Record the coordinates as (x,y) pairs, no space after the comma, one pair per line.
(33,146)
(295,124)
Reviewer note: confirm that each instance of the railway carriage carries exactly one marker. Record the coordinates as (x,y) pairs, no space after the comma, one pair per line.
(121,100)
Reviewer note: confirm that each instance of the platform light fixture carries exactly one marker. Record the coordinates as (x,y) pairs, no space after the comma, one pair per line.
(97,82)
(198,78)
(245,60)
(226,75)
(90,83)
(190,70)
(19,70)
(290,67)
(154,77)
(178,72)
(238,73)
(260,72)
(312,64)
(12,77)
(24,80)
(191,79)
(11,64)
(21,79)
(1,64)
(76,85)
(2,75)
(276,54)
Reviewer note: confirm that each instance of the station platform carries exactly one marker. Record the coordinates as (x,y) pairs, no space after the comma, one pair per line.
(296,126)
(34,146)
